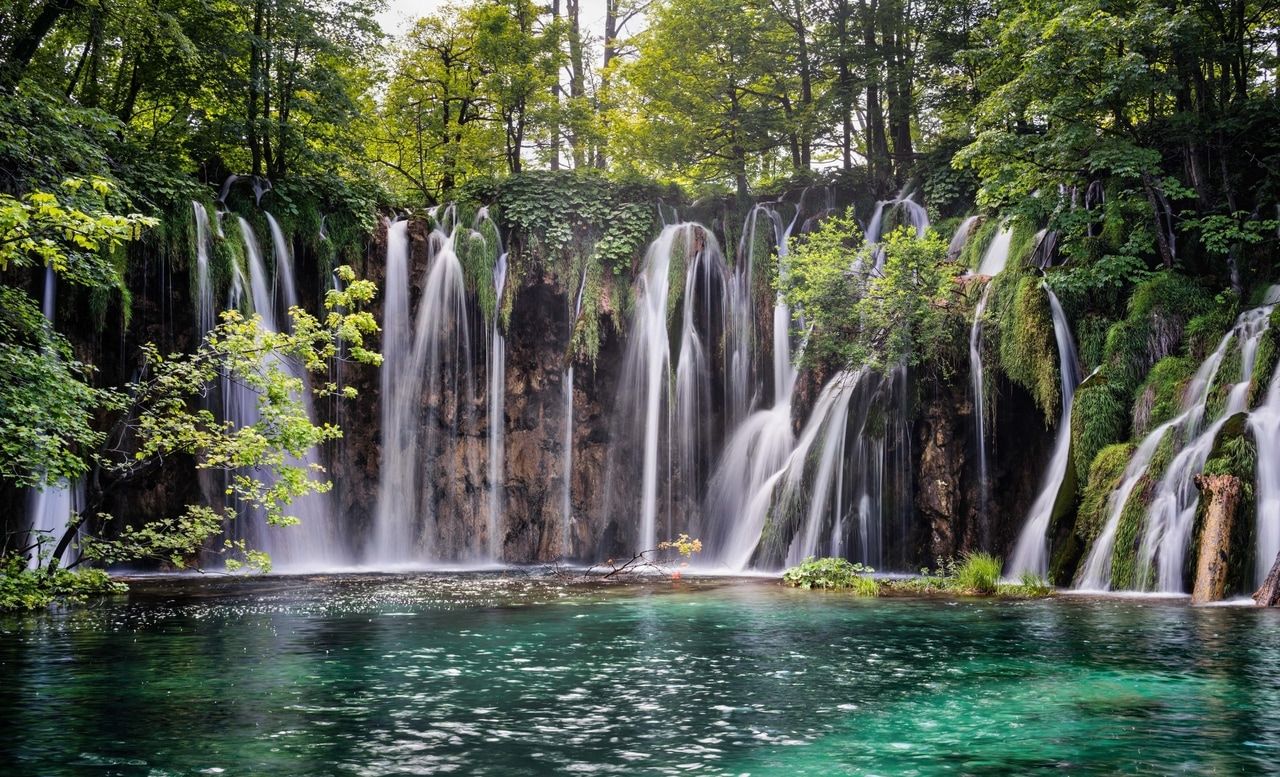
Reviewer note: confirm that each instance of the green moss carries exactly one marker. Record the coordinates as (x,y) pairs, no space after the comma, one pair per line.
(1098,418)
(1229,373)
(1203,332)
(1091,339)
(1133,518)
(1105,474)
(1028,353)
(976,245)
(1160,397)
(1265,365)
(1153,327)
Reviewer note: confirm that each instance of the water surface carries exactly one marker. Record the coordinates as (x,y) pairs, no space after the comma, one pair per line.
(522,674)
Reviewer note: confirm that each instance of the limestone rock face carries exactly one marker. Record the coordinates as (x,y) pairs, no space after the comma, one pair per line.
(940,471)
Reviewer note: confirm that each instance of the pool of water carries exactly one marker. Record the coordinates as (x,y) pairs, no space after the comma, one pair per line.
(517,673)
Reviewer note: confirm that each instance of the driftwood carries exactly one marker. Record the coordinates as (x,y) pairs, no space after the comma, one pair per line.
(1223,495)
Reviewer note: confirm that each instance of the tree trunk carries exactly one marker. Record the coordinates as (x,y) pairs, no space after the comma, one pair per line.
(555,95)
(844,82)
(877,144)
(610,53)
(1163,215)
(255,75)
(577,80)
(26,44)
(1223,495)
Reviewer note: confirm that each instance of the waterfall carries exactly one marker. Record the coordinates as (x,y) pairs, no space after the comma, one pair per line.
(1265,425)
(1096,572)
(314,543)
(760,445)
(51,506)
(566,489)
(1171,515)
(204,290)
(399,402)
(423,360)
(651,403)
(1031,554)
(980,410)
(497,410)
(960,237)
(913,213)
(994,259)
(996,255)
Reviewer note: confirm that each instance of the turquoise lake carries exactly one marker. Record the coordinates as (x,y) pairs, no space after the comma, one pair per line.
(522,673)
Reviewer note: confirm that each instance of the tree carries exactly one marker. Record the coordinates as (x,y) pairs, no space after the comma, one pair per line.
(700,96)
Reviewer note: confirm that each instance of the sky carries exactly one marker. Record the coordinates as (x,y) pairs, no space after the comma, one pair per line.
(395,20)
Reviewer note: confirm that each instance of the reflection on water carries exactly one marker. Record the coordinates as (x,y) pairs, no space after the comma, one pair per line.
(520,674)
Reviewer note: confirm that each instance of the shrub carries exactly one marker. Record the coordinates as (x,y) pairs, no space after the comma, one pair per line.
(33,589)
(832,573)
(978,573)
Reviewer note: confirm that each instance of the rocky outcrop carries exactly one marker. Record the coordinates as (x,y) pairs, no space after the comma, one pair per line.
(942,467)
(1269,594)
(1220,497)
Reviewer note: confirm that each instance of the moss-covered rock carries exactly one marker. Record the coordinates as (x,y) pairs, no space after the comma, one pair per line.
(1099,417)
(1028,352)
(1160,396)
(1105,474)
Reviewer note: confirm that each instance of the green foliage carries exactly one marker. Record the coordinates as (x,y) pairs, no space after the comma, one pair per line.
(900,316)
(47,403)
(72,231)
(1221,233)
(35,589)
(974,574)
(699,98)
(832,573)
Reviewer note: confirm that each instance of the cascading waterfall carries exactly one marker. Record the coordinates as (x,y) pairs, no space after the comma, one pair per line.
(914,215)
(996,254)
(961,237)
(1264,422)
(994,259)
(204,289)
(497,410)
(648,395)
(1096,571)
(566,487)
(760,445)
(314,543)
(1171,515)
(1031,554)
(431,355)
